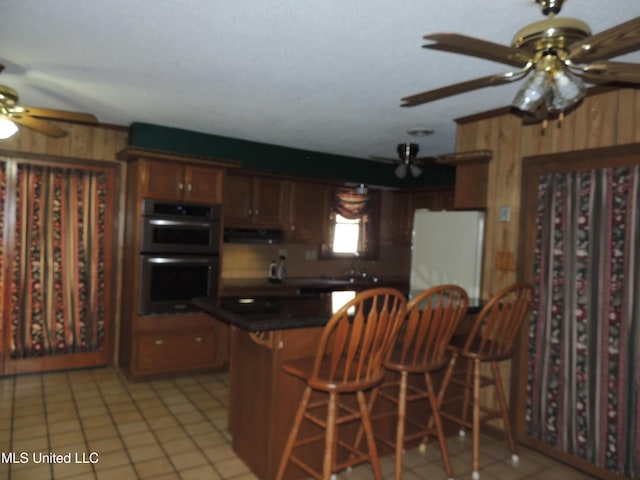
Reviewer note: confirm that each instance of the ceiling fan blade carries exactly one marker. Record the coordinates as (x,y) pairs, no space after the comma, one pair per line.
(456,88)
(475,47)
(613,42)
(602,72)
(59,114)
(39,125)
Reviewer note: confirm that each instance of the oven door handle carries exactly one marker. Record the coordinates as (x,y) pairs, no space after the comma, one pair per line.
(177,223)
(170,260)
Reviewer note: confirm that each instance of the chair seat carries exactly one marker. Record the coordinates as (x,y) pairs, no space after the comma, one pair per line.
(396,363)
(474,351)
(302,368)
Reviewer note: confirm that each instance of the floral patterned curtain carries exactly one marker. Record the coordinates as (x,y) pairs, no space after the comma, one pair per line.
(58,265)
(584,350)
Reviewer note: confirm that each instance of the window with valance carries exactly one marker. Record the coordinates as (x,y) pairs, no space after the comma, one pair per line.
(354,222)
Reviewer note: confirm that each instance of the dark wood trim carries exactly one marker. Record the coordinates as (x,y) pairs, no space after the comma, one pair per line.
(132,154)
(575,462)
(49,159)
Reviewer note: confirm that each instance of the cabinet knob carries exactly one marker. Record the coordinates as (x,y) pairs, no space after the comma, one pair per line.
(257,212)
(180,186)
(189,187)
(249,212)
(159,342)
(198,339)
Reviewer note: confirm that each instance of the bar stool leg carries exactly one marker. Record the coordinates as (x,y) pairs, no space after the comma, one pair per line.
(504,410)
(402,410)
(288,449)
(435,415)
(476,419)
(368,431)
(330,435)
(468,389)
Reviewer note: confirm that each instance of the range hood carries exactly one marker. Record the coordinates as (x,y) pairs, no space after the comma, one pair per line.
(252,235)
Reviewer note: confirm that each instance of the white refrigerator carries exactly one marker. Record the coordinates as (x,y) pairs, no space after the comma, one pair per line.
(447,248)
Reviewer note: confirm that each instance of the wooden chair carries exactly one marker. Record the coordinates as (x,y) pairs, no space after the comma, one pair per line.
(490,340)
(421,349)
(348,362)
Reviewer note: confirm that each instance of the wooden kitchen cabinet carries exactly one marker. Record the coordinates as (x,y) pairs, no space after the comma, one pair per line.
(254,201)
(179,181)
(308,220)
(172,343)
(405,203)
(472,178)
(402,218)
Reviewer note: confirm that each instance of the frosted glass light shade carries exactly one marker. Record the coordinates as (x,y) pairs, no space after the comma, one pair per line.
(401,170)
(532,94)
(567,90)
(7,128)
(415,170)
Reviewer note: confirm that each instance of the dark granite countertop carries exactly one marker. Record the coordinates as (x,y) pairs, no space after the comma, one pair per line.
(259,314)
(295,285)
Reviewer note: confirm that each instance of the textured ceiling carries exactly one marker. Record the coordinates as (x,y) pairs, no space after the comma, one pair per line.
(324,76)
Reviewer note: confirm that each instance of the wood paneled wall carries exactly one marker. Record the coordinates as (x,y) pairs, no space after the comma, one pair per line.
(85,142)
(606,117)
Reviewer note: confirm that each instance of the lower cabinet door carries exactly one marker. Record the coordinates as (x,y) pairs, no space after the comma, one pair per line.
(175,352)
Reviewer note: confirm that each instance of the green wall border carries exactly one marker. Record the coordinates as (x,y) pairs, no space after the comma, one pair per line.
(280,159)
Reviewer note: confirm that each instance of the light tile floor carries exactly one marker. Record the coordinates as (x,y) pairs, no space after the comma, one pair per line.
(175,429)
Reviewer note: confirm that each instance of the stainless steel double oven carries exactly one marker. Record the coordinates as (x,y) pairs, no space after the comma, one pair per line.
(180,255)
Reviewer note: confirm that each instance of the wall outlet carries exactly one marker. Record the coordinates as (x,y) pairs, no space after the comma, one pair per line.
(311,255)
(283,253)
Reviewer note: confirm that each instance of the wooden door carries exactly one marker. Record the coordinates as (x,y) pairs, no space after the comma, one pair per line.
(59,264)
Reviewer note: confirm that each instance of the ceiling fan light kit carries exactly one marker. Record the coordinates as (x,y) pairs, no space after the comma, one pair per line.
(558,54)
(32,117)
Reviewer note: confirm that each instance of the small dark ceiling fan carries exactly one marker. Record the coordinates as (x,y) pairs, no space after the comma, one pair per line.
(11,113)
(561,55)
(409,162)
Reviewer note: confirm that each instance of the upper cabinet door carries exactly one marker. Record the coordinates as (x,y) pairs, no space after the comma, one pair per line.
(254,201)
(308,212)
(237,202)
(163,180)
(202,184)
(182,182)
(269,202)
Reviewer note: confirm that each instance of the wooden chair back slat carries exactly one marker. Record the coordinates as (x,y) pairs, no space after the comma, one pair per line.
(358,336)
(497,324)
(432,318)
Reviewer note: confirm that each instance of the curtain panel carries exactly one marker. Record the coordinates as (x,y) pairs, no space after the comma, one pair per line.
(584,337)
(57,285)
